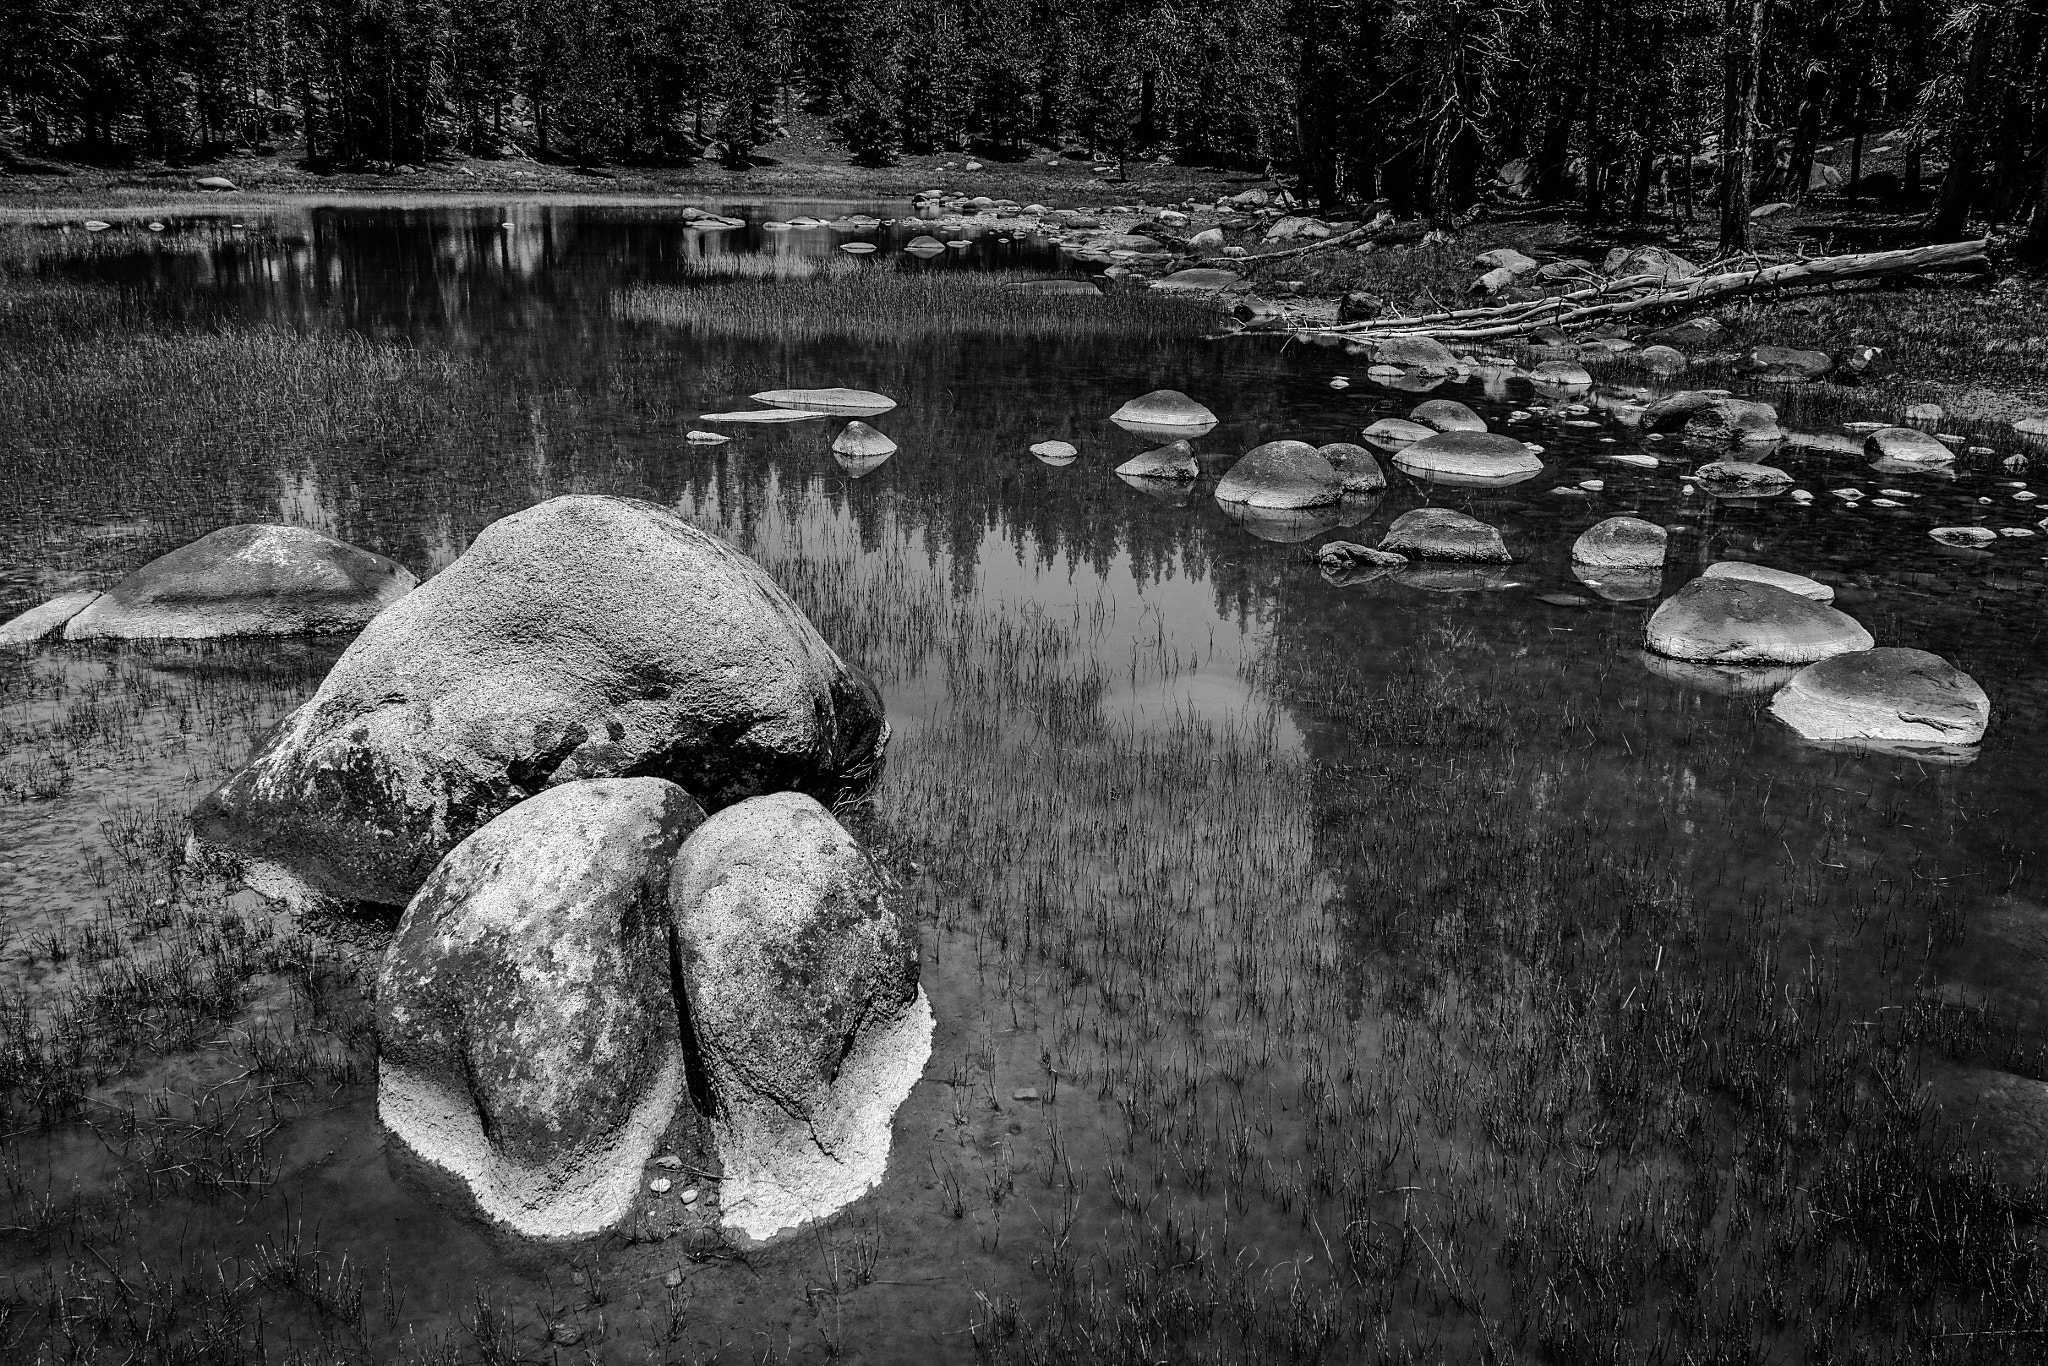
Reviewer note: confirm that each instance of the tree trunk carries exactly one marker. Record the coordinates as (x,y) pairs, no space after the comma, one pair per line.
(1742,53)
(1965,135)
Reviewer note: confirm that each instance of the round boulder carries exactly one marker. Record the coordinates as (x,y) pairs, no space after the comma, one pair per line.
(1442,534)
(1175,460)
(1739,621)
(246,581)
(1447,415)
(1355,466)
(800,983)
(861,442)
(1777,578)
(1472,459)
(586,637)
(1281,475)
(1169,410)
(528,1042)
(1888,695)
(1907,446)
(1621,543)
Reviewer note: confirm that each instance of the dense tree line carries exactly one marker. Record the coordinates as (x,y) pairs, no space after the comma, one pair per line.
(1624,107)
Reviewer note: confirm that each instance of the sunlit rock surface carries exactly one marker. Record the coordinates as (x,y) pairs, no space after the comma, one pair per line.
(528,1041)
(1356,468)
(848,402)
(801,989)
(253,580)
(46,619)
(588,636)
(1469,458)
(1891,694)
(1621,543)
(1739,621)
(1280,475)
(1777,578)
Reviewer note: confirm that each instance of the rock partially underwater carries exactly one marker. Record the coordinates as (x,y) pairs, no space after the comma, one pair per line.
(802,995)
(1741,621)
(1888,696)
(528,1037)
(586,637)
(252,580)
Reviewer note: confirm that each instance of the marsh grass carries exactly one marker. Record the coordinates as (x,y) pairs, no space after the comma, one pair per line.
(877,304)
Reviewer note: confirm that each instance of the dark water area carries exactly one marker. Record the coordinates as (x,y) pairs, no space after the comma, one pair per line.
(1403,970)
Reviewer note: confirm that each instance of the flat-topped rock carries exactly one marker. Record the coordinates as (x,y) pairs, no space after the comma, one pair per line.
(1907,446)
(1445,534)
(1165,409)
(1891,694)
(1561,374)
(1740,621)
(1422,355)
(1281,476)
(1479,459)
(1625,543)
(1741,479)
(1777,578)
(850,402)
(1389,432)
(255,580)
(46,619)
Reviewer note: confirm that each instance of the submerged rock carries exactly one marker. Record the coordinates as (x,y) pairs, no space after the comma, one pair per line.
(1777,578)
(1281,476)
(1283,526)
(847,402)
(764,415)
(802,995)
(585,637)
(1175,460)
(46,620)
(1621,543)
(1340,553)
(1203,279)
(1356,469)
(528,1042)
(1442,534)
(1482,459)
(1907,446)
(1618,584)
(862,442)
(1067,285)
(1739,621)
(1725,680)
(1890,694)
(1446,415)
(246,581)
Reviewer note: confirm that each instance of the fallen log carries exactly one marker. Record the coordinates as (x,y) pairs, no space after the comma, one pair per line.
(1643,293)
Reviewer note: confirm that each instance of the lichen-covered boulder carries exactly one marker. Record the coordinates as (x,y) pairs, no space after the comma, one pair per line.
(1907,446)
(528,1042)
(1446,415)
(1890,695)
(1477,459)
(1443,534)
(1355,466)
(1621,543)
(586,637)
(1739,621)
(1280,475)
(801,989)
(254,580)
(1777,578)
(1175,460)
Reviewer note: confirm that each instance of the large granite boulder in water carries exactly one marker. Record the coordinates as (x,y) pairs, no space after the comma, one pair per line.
(800,984)
(586,637)
(1628,543)
(1442,534)
(1446,415)
(1738,621)
(1889,695)
(1164,408)
(1281,475)
(1355,466)
(1476,459)
(1777,578)
(528,1042)
(252,580)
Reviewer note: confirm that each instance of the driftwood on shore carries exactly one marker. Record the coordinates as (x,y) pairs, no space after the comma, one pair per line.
(1643,293)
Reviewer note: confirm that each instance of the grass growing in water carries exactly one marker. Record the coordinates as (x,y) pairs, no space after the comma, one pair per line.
(875,303)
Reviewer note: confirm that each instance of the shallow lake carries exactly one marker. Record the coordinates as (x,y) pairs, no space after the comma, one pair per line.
(1403,969)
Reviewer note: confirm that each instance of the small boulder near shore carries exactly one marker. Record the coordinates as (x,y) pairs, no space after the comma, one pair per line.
(254,580)
(1175,460)
(1891,695)
(1621,543)
(1469,459)
(801,988)
(1713,417)
(586,637)
(528,1041)
(1907,446)
(1740,621)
